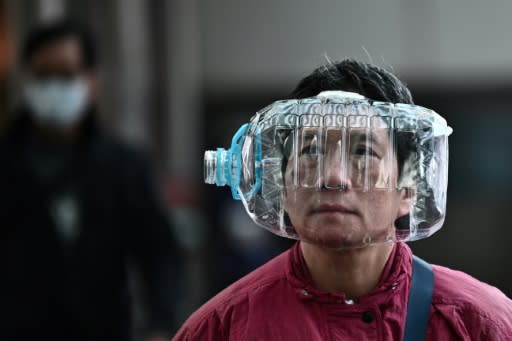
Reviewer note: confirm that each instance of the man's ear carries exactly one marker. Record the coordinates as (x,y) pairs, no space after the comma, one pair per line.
(406,197)
(92,85)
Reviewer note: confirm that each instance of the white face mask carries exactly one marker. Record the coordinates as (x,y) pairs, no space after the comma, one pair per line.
(55,102)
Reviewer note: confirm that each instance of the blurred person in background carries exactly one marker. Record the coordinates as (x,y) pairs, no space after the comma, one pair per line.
(352,169)
(77,208)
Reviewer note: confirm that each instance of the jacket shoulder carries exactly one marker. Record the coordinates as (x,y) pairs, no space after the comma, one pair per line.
(480,306)
(212,320)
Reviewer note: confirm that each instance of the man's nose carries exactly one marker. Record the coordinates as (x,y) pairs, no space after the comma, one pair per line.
(335,173)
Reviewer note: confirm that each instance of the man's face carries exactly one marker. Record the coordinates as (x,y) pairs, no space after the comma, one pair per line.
(341,187)
(59,87)
(62,59)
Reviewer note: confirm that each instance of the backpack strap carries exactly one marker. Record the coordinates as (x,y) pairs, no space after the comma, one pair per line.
(420,299)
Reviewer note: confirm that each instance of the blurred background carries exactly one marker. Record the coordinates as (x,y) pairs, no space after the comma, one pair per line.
(180,76)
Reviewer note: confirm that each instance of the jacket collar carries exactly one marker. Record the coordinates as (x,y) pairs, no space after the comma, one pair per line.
(395,277)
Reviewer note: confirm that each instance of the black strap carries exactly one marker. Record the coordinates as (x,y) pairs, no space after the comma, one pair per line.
(420,299)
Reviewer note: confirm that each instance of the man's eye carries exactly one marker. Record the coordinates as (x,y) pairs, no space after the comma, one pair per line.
(364,150)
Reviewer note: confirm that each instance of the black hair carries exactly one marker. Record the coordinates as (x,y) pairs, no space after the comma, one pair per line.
(48,33)
(366,79)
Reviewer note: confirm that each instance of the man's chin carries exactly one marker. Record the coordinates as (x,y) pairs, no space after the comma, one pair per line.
(342,237)
(334,238)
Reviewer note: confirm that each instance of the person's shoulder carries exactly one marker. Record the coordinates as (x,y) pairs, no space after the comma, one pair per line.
(457,287)
(260,279)
(216,313)
(475,301)
(112,140)
(108,145)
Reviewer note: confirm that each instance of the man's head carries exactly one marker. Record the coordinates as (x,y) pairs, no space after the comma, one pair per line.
(340,215)
(347,162)
(59,63)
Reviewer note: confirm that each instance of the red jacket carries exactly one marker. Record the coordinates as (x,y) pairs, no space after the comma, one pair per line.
(278,302)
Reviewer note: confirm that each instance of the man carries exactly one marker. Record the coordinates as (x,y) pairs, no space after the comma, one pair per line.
(77,207)
(352,169)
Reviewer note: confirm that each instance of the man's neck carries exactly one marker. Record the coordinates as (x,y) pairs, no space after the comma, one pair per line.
(352,272)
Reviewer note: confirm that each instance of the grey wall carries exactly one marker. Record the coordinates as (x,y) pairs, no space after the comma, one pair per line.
(256,43)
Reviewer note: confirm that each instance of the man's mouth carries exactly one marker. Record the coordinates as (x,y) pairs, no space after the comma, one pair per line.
(332,208)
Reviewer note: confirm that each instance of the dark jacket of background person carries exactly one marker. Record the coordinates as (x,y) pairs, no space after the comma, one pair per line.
(70,218)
